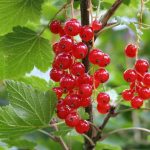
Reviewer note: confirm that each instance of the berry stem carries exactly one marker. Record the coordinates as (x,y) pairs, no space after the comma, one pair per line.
(72,8)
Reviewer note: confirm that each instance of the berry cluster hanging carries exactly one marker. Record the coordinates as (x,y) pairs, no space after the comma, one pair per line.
(76,86)
(138,77)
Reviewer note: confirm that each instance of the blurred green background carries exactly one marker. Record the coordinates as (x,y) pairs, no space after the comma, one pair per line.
(112,41)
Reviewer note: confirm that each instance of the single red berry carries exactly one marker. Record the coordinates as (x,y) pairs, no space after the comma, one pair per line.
(60,103)
(130,75)
(86,33)
(55,26)
(72,27)
(80,50)
(127,95)
(85,90)
(141,65)
(144,93)
(85,79)
(67,82)
(104,60)
(103,98)
(56,74)
(82,127)
(73,100)
(136,102)
(85,102)
(146,79)
(63,111)
(55,48)
(59,91)
(95,56)
(72,119)
(96,25)
(63,61)
(103,108)
(65,43)
(131,50)
(101,75)
(77,69)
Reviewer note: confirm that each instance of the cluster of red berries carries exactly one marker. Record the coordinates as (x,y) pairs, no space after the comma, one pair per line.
(139,79)
(75,85)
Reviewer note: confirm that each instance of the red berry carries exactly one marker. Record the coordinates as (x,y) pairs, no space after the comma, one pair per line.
(77,69)
(131,50)
(85,79)
(96,25)
(60,104)
(127,95)
(103,98)
(61,32)
(80,50)
(65,43)
(67,82)
(136,102)
(101,75)
(103,108)
(72,119)
(82,127)
(72,27)
(85,102)
(64,111)
(73,101)
(55,26)
(55,48)
(95,56)
(85,90)
(141,65)
(63,61)
(56,74)
(86,33)
(104,60)
(144,93)
(58,91)
(130,75)
(146,79)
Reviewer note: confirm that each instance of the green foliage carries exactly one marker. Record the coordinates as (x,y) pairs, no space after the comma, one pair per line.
(23,50)
(28,110)
(101,146)
(18,12)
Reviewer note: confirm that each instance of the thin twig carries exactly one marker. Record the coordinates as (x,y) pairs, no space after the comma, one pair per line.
(89,139)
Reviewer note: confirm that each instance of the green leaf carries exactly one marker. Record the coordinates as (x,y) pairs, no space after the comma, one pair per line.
(83,114)
(18,12)
(126,2)
(36,82)
(23,50)
(29,109)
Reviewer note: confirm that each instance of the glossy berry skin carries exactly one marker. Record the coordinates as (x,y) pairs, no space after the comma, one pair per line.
(64,111)
(85,102)
(95,56)
(142,66)
(103,98)
(79,50)
(86,33)
(73,101)
(63,61)
(127,94)
(85,79)
(144,93)
(131,50)
(72,27)
(55,48)
(146,79)
(56,74)
(130,75)
(104,60)
(58,91)
(103,108)
(136,102)
(61,32)
(72,119)
(55,26)
(60,104)
(65,43)
(82,127)
(96,25)
(67,82)
(85,90)
(77,69)
(101,75)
